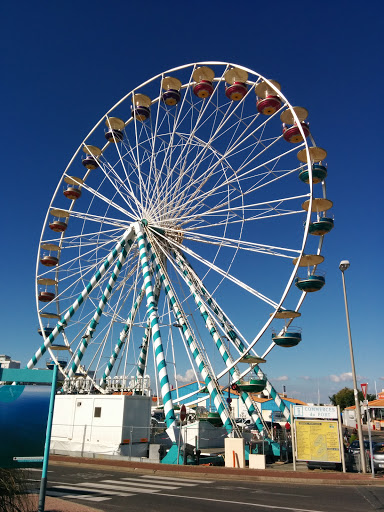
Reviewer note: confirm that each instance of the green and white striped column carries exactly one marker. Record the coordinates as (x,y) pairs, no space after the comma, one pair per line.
(156,336)
(123,335)
(252,409)
(63,322)
(142,361)
(232,334)
(203,367)
(97,315)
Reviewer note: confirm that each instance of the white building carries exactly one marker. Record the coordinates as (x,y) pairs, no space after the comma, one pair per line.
(6,362)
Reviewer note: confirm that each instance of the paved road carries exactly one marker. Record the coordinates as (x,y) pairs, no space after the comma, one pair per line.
(119,491)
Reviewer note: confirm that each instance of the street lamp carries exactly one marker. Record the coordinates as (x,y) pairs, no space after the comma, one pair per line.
(343,267)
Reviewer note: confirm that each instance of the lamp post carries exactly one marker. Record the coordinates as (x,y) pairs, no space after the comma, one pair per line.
(343,266)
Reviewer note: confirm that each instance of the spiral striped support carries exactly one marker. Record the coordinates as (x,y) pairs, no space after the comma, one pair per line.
(63,322)
(231,332)
(252,409)
(123,335)
(142,361)
(155,329)
(99,311)
(203,367)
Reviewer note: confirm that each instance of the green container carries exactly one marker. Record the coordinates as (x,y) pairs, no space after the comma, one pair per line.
(288,339)
(253,386)
(214,419)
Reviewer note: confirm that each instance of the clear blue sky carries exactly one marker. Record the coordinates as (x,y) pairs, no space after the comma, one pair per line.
(65,64)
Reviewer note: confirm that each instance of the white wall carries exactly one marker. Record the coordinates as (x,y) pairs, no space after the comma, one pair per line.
(99,424)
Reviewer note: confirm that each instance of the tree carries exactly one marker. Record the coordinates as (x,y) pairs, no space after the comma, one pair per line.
(345,398)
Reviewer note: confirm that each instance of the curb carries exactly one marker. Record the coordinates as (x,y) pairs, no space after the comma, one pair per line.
(218,472)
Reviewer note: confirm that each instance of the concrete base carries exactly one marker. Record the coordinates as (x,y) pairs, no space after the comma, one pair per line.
(234,452)
(256,461)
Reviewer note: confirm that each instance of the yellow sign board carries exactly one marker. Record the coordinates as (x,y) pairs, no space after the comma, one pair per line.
(317,440)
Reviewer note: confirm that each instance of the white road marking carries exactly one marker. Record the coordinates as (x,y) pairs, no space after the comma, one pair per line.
(85,487)
(261,505)
(86,497)
(170,478)
(121,488)
(62,494)
(260,491)
(153,483)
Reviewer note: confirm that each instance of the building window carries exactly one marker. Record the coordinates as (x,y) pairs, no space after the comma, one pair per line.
(97,413)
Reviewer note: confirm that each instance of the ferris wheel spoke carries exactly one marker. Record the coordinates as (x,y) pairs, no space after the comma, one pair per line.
(119,185)
(224,352)
(233,335)
(236,178)
(225,274)
(256,210)
(245,245)
(193,128)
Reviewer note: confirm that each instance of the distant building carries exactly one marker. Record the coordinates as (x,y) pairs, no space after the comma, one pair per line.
(7,362)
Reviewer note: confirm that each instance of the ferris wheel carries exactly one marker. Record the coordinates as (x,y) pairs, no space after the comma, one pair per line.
(188,224)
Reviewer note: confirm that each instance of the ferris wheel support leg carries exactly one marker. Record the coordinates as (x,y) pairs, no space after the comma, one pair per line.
(142,361)
(156,336)
(99,311)
(123,335)
(81,298)
(209,379)
(227,358)
(230,331)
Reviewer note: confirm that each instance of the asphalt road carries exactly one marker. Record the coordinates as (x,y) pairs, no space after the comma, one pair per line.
(119,491)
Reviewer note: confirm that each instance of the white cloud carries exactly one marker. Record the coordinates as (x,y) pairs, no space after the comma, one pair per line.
(188,377)
(306,377)
(381,378)
(342,377)
(281,378)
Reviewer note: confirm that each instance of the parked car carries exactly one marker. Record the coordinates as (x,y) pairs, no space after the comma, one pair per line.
(354,447)
(378,457)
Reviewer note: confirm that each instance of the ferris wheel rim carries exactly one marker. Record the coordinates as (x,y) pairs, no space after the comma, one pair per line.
(305,234)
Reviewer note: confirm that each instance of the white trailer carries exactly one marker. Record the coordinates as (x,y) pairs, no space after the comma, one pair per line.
(101,424)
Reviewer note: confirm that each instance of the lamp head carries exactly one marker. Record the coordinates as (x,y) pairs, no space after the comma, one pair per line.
(344,265)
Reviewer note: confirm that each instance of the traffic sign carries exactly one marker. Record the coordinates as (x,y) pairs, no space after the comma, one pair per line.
(183,413)
(364,389)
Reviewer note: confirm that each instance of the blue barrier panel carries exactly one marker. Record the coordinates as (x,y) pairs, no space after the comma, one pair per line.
(26,376)
(23,418)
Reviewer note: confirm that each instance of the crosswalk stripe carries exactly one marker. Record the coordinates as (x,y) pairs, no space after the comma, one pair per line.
(86,497)
(63,494)
(160,482)
(124,488)
(143,483)
(85,487)
(171,479)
